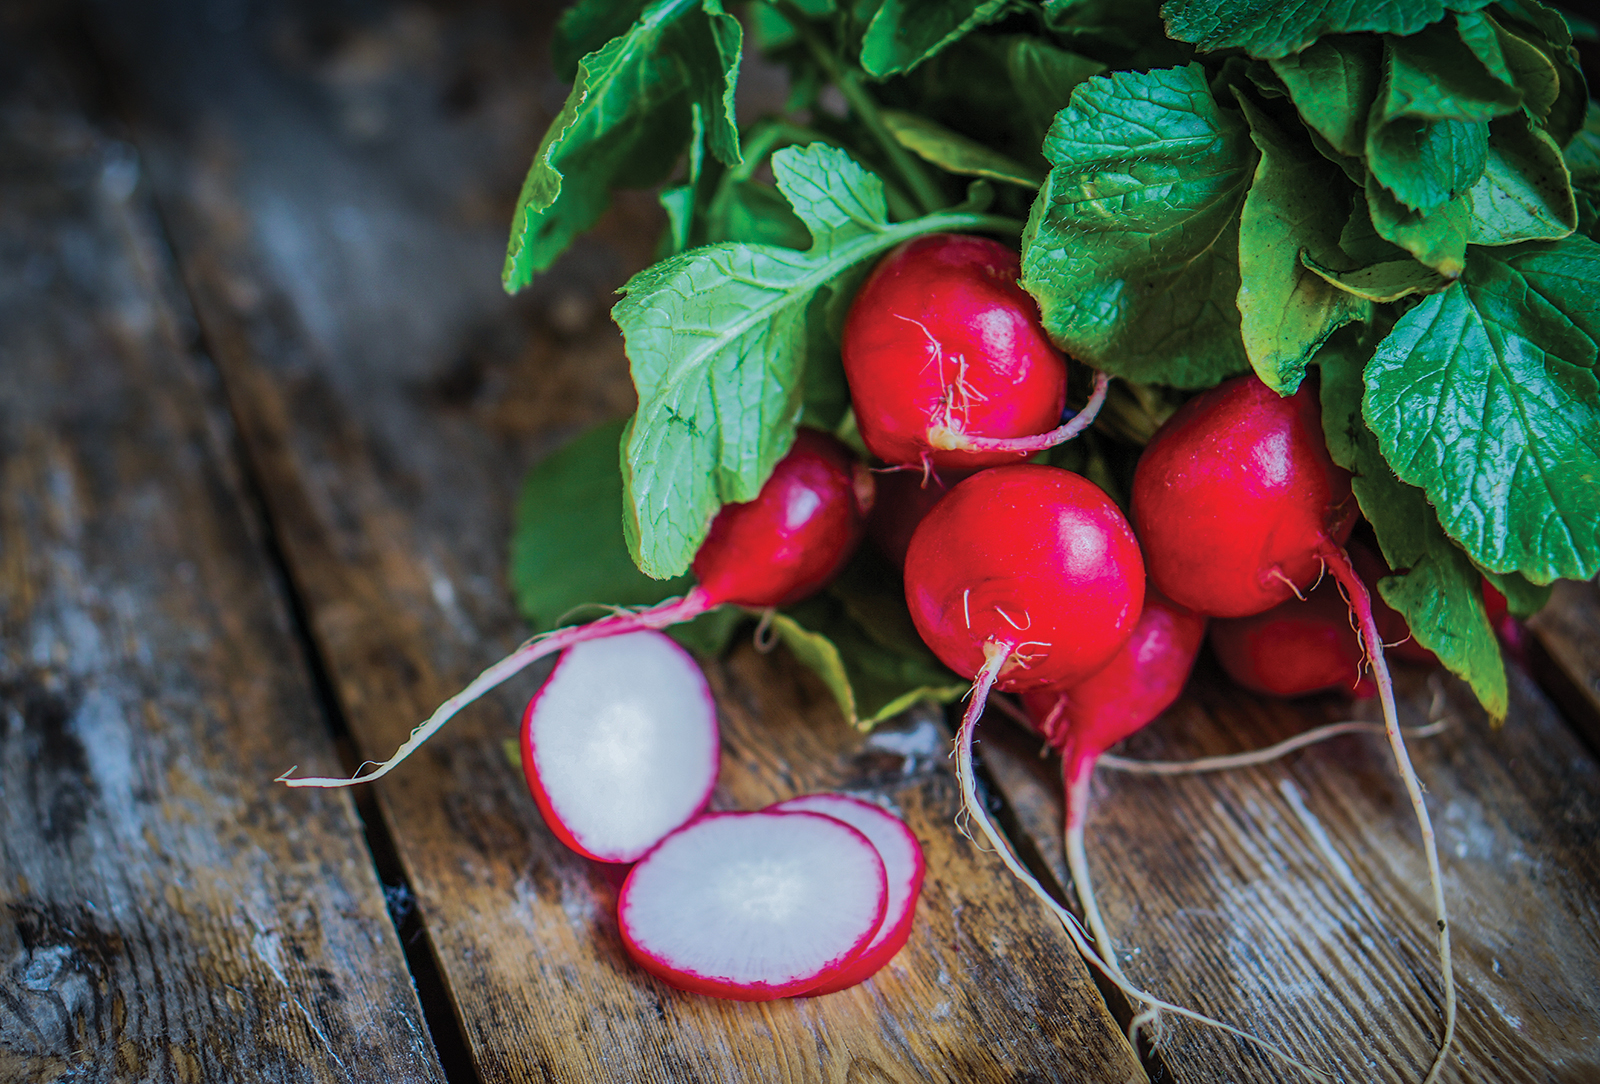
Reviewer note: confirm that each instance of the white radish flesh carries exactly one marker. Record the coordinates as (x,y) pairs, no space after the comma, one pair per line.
(753,906)
(620,744)
(902,862)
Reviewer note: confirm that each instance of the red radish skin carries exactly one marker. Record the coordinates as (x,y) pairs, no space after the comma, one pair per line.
(788,542)
(1239,507)
(627,715)
(903,865)
(947,362)
(1296,648)
(1028,559)
(753,906)
(1236,499)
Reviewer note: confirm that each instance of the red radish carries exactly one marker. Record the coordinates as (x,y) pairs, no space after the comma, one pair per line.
(788,542)
(1141,681)
(948,365)
(1239,507)
(1022,577)
(1027,572)
(753,906)
(620,744)
(1295,648)
(1237,502)
(902,864)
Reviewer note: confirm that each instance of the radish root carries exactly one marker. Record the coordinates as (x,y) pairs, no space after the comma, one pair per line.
(659,616)
(996,655)
(1361,605)
(1260,756)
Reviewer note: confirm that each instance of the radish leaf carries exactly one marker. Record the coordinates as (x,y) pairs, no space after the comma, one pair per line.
(1485,396)
(1132,248)
(1275,28)
(1333,84)
(1295,204)
(625,123)
(904,33)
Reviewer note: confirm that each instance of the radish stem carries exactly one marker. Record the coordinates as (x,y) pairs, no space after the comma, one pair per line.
(953,439)
(1259,756)
(670,612)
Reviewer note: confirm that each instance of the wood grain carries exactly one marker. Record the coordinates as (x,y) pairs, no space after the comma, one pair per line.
(1564,653)
(165,915)
(1291,899)
(389,420)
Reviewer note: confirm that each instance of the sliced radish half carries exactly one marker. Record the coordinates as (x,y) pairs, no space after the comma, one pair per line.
(620,744)
(902,862)
(753,906)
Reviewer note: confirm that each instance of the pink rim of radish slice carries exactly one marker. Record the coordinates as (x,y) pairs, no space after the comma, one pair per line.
(753,906)
(620,744)
(902,862)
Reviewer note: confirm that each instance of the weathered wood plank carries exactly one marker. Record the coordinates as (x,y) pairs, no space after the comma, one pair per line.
(1291,899)
(390,419)
(165,915)
(1565,653)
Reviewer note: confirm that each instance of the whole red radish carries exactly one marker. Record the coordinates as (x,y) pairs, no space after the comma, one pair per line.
(753,906)
(1237,501)
(903,866)
(788,542)
(943,348)
(1030,562)
(1239,508)
(619,744)
(1295,648)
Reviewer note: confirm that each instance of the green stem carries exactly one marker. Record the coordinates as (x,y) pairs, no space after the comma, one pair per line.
(923,189)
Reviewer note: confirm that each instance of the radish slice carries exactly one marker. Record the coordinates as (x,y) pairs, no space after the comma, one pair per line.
(753,906)
(620,744)
(902,864)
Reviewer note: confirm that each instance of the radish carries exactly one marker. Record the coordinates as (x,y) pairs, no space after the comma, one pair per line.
(787,543)
(620,744)
(753,906)
(1296,648)
(1024,577)
(948,365)
(1239,507)
(903,865)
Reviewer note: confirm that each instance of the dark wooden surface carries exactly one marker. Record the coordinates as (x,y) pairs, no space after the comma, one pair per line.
(258,469)
(166,917)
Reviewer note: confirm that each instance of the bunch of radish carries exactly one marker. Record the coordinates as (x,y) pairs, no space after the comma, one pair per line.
(1023,577)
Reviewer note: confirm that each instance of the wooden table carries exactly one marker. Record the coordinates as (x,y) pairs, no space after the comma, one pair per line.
(263,414)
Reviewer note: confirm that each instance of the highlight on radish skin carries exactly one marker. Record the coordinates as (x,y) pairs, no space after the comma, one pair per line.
(903,865)
(753,906)
(788,542)
(620,744)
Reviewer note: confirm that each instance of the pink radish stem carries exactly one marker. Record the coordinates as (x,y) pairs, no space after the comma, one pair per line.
(657,617)
(957,440)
